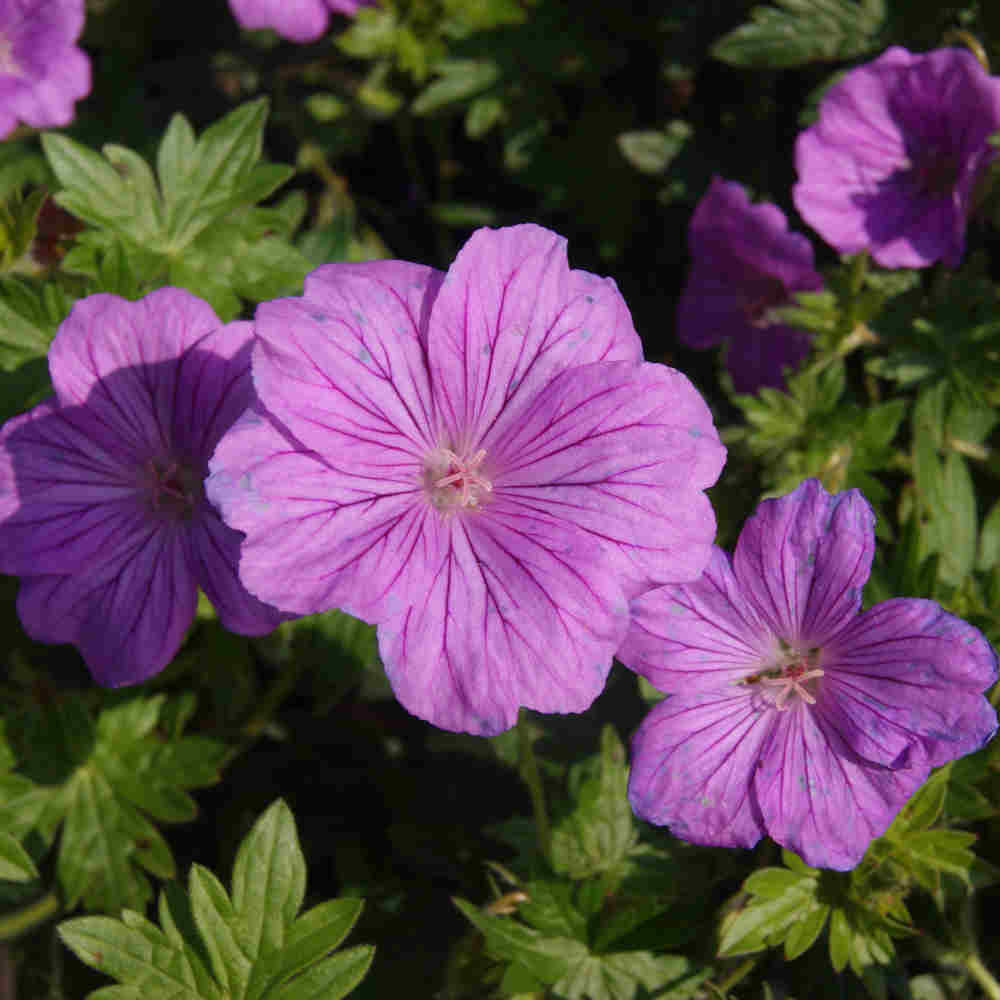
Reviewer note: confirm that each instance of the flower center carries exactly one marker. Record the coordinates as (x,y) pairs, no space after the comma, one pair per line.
(174,488)
(795,678)
(770,293)
(455,481)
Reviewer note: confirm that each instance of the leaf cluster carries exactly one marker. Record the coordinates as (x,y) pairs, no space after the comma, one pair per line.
(247,944)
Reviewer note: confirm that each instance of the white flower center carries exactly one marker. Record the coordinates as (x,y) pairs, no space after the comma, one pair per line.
(794,678)
(455,481)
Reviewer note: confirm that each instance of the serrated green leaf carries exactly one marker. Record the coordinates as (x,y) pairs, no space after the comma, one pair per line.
(484,112)
(547,958)
(549,909)
(174,157)
(765,920)
(15,862)
(802,935)
(20,338)
(269,880)
(600,831)
(216,921)
(458,80)
(330,979)
(840,940)
(652,151)
(92,189)
(268,269)
(629,975)
(311,937)
(795,32)
(771,883)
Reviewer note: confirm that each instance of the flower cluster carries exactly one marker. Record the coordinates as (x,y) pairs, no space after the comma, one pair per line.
(296,20)
(791,714)
(42,71)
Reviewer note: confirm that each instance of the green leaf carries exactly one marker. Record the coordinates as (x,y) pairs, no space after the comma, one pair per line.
(458,80)
(802,935)
(795,32)
(100,783)
(549,909)
(269,879)
(247,946)
(600,832)
(629,975)
(15,862)
(653,151)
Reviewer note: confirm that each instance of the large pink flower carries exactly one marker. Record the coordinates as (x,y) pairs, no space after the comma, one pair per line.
(479,462)
(42,72)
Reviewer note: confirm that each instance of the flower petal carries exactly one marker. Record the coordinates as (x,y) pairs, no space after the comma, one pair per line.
(128,618)
(214,553)
(819,799)
(699,636)
(520,611)
(65,501)
(623,452)
(318,538)
(758,356)
(344,367)
(803,560)
(509,315)
(122,359)
(693,760)
(296,20)
(921,669)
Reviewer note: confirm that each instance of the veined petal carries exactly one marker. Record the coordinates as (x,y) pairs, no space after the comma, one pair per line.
(693,760)
(623,452)
(120,359)
(922,669)
(509,315)
(803,559)
(818,798)
(214,553)
(318,538)
(65,501)
(520,611)
(699,636)
(344,367)
(127,618)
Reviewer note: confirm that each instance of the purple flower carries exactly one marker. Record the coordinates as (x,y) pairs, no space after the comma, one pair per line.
(296,20)
(892,163)
(479,462)
(744,262)
(794,715)
(102,505)
(42,72)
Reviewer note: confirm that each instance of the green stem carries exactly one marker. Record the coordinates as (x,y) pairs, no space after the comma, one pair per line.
(740,972)
(272,700)
(982,976)
(14,924)
(532,777)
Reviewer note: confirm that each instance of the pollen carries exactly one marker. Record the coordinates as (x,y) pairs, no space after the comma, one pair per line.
(455,482)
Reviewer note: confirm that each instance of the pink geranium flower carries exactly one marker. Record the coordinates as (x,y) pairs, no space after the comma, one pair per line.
(791,713)
(892,163)
(42,72)
(296,20)
(479,462)
(102,505)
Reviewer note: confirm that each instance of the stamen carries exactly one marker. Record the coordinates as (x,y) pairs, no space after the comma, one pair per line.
(456,482)
(792,682)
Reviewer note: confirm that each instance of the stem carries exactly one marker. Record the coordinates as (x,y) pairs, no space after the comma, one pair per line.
(982,976)
(532,777)
(740,972)
(269,704)
(24,919)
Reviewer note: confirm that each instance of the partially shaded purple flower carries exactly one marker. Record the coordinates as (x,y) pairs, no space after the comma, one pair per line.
(791,714)
(42,72)
(744,262)
(478,462)
(102,505)
(892,162)
(296,20)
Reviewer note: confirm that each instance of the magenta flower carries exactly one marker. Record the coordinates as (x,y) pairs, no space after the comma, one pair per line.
(102,506)
(42,72)
(791,714)
(892,163)
(296,20)
(478,462)
(744,262)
